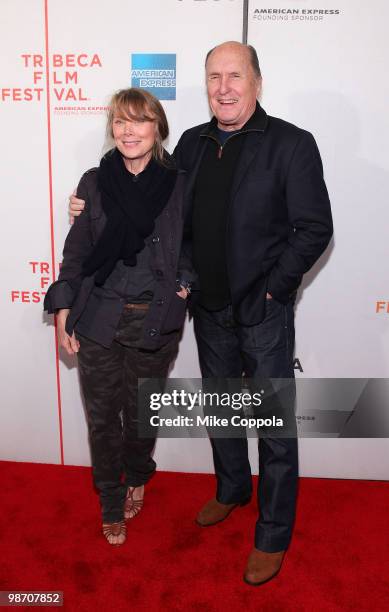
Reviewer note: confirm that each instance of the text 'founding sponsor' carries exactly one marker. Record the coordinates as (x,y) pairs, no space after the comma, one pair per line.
(293,14)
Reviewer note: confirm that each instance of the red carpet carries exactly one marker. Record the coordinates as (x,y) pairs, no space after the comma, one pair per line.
(50,540)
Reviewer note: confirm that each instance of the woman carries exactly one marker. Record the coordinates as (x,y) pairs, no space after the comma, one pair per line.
(120,296)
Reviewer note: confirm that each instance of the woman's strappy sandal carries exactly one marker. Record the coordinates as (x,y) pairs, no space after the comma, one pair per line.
(115,533)
(132,506)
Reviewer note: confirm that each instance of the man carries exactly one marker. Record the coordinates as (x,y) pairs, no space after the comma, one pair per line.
(257,218)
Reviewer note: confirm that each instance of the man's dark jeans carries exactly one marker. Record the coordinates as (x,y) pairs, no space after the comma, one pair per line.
(260,351)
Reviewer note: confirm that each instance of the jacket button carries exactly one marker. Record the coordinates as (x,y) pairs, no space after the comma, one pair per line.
(160,302)
(159,273)
(155,239)
(153,332)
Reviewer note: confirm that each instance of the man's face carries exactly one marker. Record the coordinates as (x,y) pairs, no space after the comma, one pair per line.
(232,86)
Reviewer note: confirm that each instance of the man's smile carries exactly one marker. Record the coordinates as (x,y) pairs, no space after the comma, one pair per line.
(228,101)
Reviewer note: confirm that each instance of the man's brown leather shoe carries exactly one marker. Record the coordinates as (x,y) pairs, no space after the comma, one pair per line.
(214,512)
(262,566)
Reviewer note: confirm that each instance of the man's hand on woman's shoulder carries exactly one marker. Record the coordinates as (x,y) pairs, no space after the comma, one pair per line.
(76,206)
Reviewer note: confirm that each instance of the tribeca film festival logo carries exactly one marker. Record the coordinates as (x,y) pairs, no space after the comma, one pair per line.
(42,276)
(293,14)
(66,74)
(382,306)
(155,72)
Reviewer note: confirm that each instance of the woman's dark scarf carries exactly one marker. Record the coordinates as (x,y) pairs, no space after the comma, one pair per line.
(130,212)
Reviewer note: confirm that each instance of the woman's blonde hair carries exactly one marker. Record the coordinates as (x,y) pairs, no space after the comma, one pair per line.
(140,105)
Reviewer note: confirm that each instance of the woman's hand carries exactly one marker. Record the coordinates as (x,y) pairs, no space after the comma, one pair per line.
(69,343)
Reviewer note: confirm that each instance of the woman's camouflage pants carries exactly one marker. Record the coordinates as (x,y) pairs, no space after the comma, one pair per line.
(109,381)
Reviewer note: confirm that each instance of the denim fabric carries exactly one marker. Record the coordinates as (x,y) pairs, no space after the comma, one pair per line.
(265,350)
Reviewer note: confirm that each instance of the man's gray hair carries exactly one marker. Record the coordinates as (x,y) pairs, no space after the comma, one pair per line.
(252,55)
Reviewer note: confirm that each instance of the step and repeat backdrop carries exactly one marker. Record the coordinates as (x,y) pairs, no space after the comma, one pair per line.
(324,69)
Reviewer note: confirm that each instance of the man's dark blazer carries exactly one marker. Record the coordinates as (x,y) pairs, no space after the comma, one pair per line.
(279,217)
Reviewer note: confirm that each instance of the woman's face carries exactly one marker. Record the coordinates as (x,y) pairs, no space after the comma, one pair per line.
(134,139)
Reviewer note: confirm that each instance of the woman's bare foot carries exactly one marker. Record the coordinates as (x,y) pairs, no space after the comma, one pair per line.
(134,501)
(115,533)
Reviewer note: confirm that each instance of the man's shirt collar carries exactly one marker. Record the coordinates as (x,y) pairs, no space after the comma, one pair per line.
(256,123)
